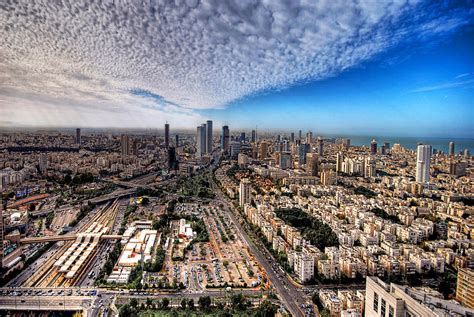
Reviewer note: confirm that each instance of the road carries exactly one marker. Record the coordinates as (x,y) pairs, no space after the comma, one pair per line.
(289,294)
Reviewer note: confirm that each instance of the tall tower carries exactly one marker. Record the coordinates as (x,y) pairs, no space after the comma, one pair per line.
(203,138)
(78,136)
(245,192)
(176,141)
(451,148)
(373,147)
(254,136)
(423,158)
(209,144)
(320,147)
(125,142)
(43,163)
(225,139)
(167,135)
(199,145)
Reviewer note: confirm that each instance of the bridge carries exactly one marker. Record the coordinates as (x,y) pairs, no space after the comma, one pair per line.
(66,237)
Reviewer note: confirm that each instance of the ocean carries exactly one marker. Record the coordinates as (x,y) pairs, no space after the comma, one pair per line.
(412,142)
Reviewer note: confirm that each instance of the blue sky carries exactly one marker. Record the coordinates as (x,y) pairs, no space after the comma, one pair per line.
(333,66)
(414,89)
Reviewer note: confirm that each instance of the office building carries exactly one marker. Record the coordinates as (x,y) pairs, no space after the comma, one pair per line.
(78,136)
(312,163)
(285,160)
(339,161)
(242,137)
(209,137)
(263,153)
(176,142)
(254,136)
(300,134)
(373,147)
(303,149)
(451,148)
(292,137)
(134,147)
(200,142)
(172,162)
(393,300)
(309,137)
(235,150)
(320,147)
(245,189)
(167,135)
(125,145)
(43,162)
(423,159)
(465,287)
(225,139)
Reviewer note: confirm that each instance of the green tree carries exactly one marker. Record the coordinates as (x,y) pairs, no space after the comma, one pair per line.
(204,303)
(134,303)
(165,302)
(191,303)
(184,303)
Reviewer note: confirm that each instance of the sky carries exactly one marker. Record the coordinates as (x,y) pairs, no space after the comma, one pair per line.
(401,68)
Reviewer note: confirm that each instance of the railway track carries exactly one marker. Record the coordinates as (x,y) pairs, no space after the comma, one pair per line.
(49,274)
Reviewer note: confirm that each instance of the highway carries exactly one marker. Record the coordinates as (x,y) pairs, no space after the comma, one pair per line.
(289,293)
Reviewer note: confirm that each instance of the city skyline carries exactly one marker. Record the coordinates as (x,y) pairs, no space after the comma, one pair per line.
(330,68)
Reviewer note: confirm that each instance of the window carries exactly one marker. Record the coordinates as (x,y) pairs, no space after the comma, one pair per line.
(391,312)
(376,301)
(382,308)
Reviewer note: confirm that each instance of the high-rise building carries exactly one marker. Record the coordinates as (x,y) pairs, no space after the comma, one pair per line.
(285,160)
(254,136)
(373,147)
(292,137)
(263,150)
(209,137)
(201,141)
(125,144)
(466,153)
(321,147)
(312,163)
(167,135)
(1,231)
(43,163)
(172,162)
(235,148)
(300,134)
(383,299)
(369,167)
(134,148)
(303,148)
(423,159)
(78,136)
(242,137)
(225,139)
(309,137)
(465,287)
(245,192)
(451,148)
(339,160)
(176,142)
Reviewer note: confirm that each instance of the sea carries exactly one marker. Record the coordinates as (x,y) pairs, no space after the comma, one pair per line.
(440,144)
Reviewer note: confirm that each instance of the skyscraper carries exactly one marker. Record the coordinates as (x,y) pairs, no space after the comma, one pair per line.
(263,150)
(225,138)
(78,136)
(43,163)
(423,158)
(245,190)
(125,142)
(242,137)
(373,147)
(292,137)
(167,135)
(254,136)
(201,141)
(300,135)
(176,142)
(303,148)
(312,163)
(339,160)
(320,147)
(451,148)
(309,137)
(172,163)
(209,135)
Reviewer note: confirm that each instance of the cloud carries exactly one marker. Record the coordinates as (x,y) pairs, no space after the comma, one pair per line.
(166,60)
(448,85)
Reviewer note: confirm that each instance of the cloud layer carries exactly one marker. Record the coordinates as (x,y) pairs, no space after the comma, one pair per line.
(131,63)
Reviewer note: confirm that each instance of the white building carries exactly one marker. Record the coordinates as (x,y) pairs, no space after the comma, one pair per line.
(423,158)
(245,189)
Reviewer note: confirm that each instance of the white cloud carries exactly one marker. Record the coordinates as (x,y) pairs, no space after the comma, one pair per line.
(83,60)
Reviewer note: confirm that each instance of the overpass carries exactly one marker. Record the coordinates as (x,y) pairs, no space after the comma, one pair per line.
(66,237)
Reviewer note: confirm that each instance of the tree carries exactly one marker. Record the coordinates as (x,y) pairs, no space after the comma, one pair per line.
(149,302)
(165,303)
(134,303)
(125,311)
(204,303)
(191,303)
(184,303)
(266,309)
